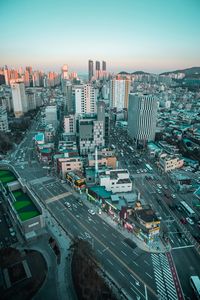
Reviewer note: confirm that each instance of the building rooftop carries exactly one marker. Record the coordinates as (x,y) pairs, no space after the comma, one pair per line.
(24,206)
(100,191)
(39,137)
(147,215)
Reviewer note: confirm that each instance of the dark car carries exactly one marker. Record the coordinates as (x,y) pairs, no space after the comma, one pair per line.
(183,221)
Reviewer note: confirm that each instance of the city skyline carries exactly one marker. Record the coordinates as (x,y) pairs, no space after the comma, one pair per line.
(137,36)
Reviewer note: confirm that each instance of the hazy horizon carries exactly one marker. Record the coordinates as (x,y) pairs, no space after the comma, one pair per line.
(153,36)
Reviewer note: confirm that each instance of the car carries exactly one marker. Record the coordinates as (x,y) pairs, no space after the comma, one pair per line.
(178,208)
(190,221)
(87,235)
(74,205)
(165,186)
(67,204)
(183,221)
(91,212)
(80,202)
(89,219)
(173,196)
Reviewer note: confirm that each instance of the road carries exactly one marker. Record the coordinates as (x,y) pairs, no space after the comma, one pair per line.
(182,246)
(141,275)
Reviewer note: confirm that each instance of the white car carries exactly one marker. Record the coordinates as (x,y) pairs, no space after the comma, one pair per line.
(67,204)
(91,212)
(190,221)
(173,196)
(87,235)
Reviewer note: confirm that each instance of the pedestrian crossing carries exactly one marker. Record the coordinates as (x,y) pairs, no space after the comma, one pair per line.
(164,281)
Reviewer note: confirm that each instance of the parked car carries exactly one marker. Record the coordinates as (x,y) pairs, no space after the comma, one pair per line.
(67,204)
(91,212)
(190,221)
(183,221)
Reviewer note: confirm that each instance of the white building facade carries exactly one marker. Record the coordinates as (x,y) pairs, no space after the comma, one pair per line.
(85,98)
(19,98)
(70,124)
(116,181)
(119,91)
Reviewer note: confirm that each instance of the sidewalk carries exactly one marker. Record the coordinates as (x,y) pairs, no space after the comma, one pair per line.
(155,247)
(64,280)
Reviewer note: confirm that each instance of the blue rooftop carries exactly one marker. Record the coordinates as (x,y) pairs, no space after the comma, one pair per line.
(100,191)
(39,137)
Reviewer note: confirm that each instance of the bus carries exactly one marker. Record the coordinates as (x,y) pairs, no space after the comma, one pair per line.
(195,284)
(149,168)
(187,209)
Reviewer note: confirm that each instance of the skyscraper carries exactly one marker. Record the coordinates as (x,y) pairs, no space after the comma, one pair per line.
(142,113)
(119,91)
(97,65)
(18,97)
(65,74)
(90,69)
(103,65)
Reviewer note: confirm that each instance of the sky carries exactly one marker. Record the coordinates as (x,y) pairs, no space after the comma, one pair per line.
(130,35)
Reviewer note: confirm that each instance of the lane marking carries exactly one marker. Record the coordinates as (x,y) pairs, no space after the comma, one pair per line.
(116,257)
(109,261)
(148,275)
(123,253)
(121,273)
(146,263)
(135,263)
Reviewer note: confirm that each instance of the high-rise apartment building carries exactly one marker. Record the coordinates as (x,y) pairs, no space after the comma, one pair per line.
(97,65)
(67,91)
(91,130)
(119,93)
(85,98)
(18,97)
(98,72)
(90,70)
(103,65)
(7,75)
(65,74)
(3,119)
(142,113)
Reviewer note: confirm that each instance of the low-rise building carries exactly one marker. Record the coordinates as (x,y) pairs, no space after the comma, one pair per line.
(103,160)
(76,180)
(70,124)
(168,163)
(50,133)
(117,181)
(22,206)
(65,164)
